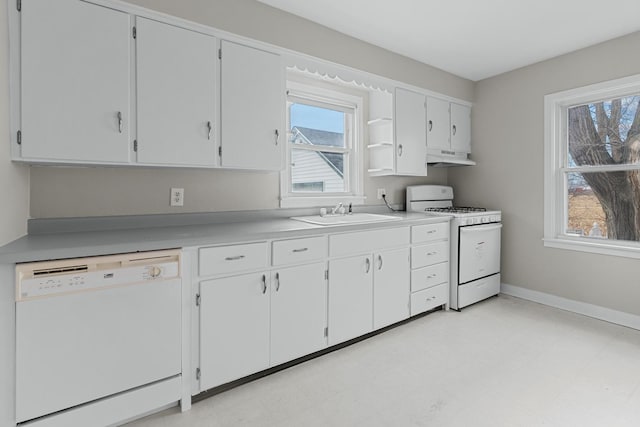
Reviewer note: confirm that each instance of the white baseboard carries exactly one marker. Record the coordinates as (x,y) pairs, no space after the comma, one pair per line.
(595,311)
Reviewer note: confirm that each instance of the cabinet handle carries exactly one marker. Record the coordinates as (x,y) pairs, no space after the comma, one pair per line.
(119,122)
(430,125)
(264,284)
(234,258)
(300,250)
(277,136)
(209,129)
(368,264)
(454,129)
(431,231)
(379,262)
(277,282)
(432,276)
(400,150)
(432,253)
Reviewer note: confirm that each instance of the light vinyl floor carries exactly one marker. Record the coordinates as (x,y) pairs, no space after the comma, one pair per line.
(502,362)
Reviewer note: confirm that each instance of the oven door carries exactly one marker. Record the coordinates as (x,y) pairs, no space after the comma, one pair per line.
(479,252)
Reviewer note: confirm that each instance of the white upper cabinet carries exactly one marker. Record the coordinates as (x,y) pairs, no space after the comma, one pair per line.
(252,108)
(75,82)
(460,128)
(410,130)
(176,71)
(438,134)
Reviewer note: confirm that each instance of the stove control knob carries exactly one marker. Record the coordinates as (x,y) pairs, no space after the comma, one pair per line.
(485,219)
(477,221)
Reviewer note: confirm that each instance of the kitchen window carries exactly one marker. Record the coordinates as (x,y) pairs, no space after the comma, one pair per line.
(324,132)
(592,168)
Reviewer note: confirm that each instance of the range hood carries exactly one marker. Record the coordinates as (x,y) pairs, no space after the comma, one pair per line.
(443,158)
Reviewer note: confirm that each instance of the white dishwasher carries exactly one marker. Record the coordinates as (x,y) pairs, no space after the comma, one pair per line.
(98,340)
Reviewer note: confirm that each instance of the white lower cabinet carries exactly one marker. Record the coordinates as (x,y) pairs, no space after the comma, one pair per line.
(257,311)
(298,312)
(367,292)
(391,287)
(350,298)
(234,328)
(253,321)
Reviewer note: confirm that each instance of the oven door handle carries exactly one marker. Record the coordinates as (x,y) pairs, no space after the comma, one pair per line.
(479,228)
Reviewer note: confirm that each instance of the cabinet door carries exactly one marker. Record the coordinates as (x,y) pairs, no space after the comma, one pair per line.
(391,287)
(298,312)
(438,130)
(460,128)
(75,61)
(176,95)
(252,108)
(411,137)
(234,328)
(350,298)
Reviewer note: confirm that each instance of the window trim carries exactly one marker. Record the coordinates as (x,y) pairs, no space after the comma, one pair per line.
(355,168)
(555,152)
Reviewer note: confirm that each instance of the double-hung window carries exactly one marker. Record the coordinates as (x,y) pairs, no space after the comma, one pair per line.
(592,168)
(324,132)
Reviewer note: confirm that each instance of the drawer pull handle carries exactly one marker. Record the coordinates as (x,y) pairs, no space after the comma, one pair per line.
(431,231)
(379,262)
(264,284)
(432,253)
(368,264)
(300,250)
(234,258)
(432,276)
(277,282)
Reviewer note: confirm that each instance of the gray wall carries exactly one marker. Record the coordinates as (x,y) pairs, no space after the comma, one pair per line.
(63,192)
(508,144)
(14,179)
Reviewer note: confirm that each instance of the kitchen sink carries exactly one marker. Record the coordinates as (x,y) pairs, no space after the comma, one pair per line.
(354,218)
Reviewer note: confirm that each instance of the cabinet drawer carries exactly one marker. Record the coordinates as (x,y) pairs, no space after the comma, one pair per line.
(428,299)
(478,290)
(434,253)
(367,241)
(299,250)
(233,258)
(427,277)
(429,232)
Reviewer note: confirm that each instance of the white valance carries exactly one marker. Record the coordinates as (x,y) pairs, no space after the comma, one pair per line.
(337,73)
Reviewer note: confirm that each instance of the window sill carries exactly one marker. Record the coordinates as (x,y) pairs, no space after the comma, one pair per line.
(320,201)
(604,247)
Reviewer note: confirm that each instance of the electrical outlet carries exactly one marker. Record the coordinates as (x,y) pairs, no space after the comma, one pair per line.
(381,192)
(177,197)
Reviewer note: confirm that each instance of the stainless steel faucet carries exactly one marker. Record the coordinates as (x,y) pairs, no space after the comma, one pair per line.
(336,208)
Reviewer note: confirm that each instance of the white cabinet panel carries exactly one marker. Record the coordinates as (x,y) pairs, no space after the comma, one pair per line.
(366,241)
(411,137)
(252,108)
(295,251)
(176,95)
(75,61)
(232,258)
(298,311)
(438,129)
(460,128)
(391,287)
(350,298)
(430,298)
(234,328)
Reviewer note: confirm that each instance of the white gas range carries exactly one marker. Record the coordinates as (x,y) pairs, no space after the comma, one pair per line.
(474,242)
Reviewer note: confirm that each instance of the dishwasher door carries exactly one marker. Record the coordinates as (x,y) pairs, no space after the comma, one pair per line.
(78,346)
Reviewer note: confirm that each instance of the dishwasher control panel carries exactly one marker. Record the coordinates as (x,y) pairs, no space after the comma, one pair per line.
(65,276)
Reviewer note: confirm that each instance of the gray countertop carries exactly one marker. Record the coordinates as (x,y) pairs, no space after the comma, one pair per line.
(59,245)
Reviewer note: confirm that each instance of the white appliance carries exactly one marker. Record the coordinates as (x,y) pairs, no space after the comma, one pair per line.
(474,242)
(98,340)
